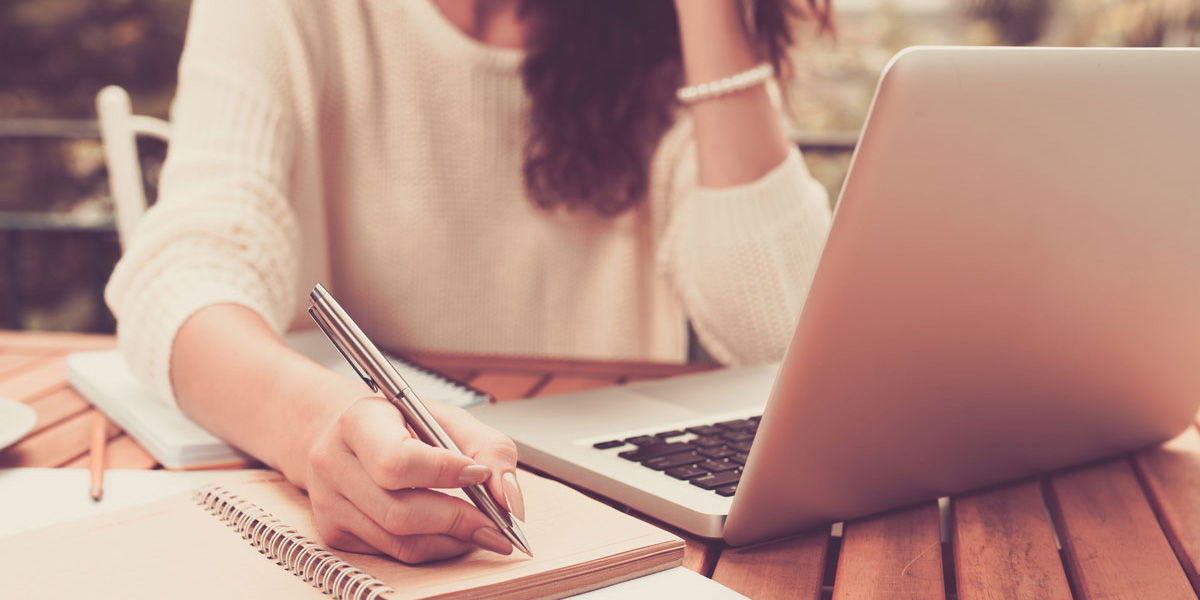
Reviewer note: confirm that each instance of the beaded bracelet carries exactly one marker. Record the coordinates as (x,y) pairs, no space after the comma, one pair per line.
(749,78)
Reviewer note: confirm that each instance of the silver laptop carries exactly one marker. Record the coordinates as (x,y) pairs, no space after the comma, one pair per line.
(1011,286)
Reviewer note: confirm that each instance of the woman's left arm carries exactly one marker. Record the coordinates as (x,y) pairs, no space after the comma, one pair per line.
(746,221)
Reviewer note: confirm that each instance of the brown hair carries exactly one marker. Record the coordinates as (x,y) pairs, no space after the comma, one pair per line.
(601,76)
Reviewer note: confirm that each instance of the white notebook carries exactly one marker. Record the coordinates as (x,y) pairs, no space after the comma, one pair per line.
(253,535)
(35,498)
(177,442)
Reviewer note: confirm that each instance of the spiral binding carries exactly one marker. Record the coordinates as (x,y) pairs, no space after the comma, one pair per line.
(289,549)
(481,395)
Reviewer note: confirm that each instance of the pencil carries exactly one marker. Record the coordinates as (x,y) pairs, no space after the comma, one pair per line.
(96,455)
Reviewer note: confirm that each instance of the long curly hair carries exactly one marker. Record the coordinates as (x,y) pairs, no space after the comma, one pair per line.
(601,76)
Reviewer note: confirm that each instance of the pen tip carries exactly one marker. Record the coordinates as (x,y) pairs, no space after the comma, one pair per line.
(519,541)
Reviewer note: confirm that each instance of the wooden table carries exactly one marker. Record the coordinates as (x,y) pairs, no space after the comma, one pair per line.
(1130,527)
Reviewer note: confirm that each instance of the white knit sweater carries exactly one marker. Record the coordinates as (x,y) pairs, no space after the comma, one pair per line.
(372,146)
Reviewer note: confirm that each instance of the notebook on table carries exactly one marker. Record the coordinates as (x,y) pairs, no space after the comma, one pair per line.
(177,442)
(252,535)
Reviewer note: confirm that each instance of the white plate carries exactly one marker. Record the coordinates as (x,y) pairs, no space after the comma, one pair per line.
(16,420)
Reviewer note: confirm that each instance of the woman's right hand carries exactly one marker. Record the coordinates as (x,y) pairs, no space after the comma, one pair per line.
(369,479)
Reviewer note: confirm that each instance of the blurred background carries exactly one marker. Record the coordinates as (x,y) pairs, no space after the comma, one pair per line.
(58,240)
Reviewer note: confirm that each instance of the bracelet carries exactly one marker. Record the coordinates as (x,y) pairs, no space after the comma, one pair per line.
(749,78)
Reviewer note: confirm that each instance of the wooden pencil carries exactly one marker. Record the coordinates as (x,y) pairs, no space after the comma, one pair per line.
(96,455)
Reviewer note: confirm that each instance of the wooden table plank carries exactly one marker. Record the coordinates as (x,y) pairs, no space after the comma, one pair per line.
(52,343)
(1171,474)
(41,378)
(122,452)
(56,446)
(700,555)
(57,407)
(789,568)
(561,384)
(1004,546)
(507,386)
(893,556)
(11,363)
(559,366)
(1112,541)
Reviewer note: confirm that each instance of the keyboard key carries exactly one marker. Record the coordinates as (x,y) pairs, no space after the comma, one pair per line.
(738,424)
(656,450)
(740,435)
(707,442)
(714,452)
(670,434)
(741,447)
(713,481)
(608,444)
(686,472)
(643,440)
(756,418)
(705,430)
(717,466)
(675,460)
(728,490)
(739,458)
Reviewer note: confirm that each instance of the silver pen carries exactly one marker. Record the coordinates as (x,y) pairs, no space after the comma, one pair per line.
(379,374)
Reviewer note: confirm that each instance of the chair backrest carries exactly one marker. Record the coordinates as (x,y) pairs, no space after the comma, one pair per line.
(119,129)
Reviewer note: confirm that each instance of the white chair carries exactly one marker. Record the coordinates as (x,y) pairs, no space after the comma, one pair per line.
(119,129)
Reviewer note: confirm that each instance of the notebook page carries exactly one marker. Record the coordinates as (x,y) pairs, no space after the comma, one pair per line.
(568,533)
(167,549)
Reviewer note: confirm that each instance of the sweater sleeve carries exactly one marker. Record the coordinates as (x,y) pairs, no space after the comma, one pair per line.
(222,230)
(740,259)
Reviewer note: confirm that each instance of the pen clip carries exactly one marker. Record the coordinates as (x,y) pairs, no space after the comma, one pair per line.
(320,319)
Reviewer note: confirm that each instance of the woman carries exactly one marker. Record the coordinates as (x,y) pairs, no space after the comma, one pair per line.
(468,175)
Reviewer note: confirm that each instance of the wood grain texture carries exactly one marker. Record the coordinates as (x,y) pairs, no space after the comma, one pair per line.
(1171,474)
(561,384)
(1112,541)
(12,363)
(57,407)
(1004,546)
(38,379)
(55,446)
(558,366)
(700,555)
(788,568)
(507,386)
(122,452)
(53,343)
(894,556)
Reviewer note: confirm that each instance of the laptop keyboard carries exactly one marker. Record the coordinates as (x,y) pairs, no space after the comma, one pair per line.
(710,457)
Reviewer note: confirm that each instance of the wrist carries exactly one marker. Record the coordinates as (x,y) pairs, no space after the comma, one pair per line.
(316,398)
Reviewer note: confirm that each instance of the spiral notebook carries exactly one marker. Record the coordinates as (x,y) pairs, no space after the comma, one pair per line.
(179,443)
(252,535)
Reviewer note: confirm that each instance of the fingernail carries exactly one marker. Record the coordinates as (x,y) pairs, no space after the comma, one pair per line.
(473,474)
(491,539)
(512,493)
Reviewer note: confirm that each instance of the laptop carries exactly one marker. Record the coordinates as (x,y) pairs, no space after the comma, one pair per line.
(1011,286)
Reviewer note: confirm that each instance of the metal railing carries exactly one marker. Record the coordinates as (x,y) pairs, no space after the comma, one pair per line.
(12,223)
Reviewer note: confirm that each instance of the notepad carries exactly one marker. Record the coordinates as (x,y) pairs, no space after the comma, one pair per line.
(177,442)
(252,535)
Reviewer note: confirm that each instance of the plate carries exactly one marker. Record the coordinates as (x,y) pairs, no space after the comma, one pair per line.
(16,420)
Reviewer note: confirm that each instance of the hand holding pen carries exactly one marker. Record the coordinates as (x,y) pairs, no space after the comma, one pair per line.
(369,477)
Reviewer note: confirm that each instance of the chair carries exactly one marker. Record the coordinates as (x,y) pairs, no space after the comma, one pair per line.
(119,129)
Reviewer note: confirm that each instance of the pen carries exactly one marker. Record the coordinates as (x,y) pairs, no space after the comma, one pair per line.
(379,375)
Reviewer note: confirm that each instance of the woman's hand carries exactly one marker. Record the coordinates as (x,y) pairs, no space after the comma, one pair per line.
(369,479)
